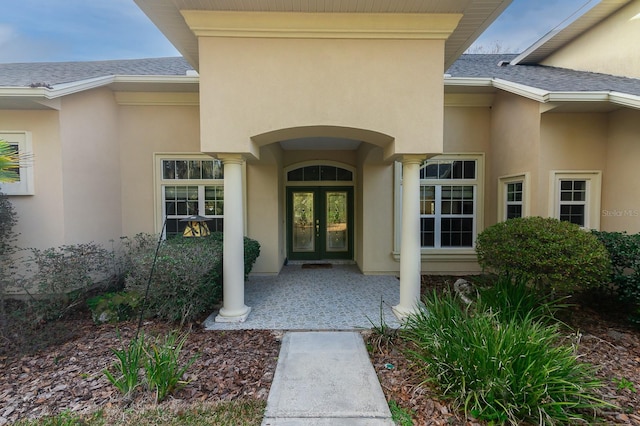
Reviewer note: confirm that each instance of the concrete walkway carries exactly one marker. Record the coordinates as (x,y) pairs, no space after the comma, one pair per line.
(325,378)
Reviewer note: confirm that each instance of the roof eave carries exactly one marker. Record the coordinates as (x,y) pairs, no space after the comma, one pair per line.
(586,17)
(546,96)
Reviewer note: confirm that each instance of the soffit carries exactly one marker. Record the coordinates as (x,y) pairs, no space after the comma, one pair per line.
(581,21)
(477,16)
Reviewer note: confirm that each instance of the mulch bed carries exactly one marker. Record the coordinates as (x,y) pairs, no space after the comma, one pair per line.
(54,377)
(231,365)
(604,342)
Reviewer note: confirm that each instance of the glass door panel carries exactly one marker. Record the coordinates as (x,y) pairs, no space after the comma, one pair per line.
(304,219)
(336,218)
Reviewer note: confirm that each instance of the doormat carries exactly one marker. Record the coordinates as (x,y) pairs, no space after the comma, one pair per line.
(316,266)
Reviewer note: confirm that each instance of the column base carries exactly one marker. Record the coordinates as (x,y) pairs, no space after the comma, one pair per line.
(402,312)
(236,316)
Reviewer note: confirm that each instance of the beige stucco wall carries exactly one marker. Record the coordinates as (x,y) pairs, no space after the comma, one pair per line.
(91,167)
(620,189)
(40,216)
(515,149)
(393,87)
(266,209)
(610,47)
(376,217)
(143,131)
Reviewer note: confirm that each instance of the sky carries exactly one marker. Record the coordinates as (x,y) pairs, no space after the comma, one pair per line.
(87,30)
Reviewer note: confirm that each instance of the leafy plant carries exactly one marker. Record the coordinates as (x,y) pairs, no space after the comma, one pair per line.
(163,370)
(65,275)
(555,255)
(511,298)
(251,251)
(624,252)
(624,384)
(400,416)
(9,162)
(499,371)
(382,334)
(129,360)
(8,237)
(187,280)
(113,307)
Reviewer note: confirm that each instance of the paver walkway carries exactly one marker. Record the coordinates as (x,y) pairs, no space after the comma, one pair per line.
(325,378)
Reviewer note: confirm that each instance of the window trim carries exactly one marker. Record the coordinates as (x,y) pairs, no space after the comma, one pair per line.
(447,254)
(503,181)
(159,182)
(25,147)
(593,179)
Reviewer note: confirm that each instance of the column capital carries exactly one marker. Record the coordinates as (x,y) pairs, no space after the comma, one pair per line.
(412,158)
(231,158)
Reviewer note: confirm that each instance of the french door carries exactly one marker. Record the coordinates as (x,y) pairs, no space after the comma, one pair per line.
(319,223)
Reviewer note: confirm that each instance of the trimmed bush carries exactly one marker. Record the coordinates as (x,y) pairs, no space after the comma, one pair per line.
(555,255)
(187,280)
(251,251)
(499,371)
(624,252)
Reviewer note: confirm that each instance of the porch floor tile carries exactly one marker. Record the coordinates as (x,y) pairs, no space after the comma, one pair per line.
(337,298)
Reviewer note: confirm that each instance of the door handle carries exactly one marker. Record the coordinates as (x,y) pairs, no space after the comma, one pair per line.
(317,227)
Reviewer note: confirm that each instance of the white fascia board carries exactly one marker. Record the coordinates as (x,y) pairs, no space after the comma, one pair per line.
(625,99)
(468,81)
(65,89)
(545,96)
(23,92)
(521,90)
(169,79)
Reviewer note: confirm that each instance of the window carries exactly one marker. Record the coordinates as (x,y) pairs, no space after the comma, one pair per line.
(573,201)
(448,203)
(576,198)
(21,142)
(512,196)
(191,185)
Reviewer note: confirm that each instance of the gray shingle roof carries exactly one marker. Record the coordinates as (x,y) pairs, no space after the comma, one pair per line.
(482,66)
(541,77)
(52,73)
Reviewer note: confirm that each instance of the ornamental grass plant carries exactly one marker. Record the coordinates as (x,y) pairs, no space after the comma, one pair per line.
(498,369)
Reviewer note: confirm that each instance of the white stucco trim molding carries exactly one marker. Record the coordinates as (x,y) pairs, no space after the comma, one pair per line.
(321,25)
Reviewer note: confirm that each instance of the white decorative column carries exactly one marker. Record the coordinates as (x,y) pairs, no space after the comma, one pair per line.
(410,243)
(233,307)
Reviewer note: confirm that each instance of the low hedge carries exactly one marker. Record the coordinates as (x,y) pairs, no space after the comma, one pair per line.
(555,255)
(624,252)
(187,280)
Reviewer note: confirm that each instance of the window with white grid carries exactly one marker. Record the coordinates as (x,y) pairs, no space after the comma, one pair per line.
(191,185)
(448,203)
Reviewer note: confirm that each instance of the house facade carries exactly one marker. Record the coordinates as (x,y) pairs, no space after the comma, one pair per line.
(331,132)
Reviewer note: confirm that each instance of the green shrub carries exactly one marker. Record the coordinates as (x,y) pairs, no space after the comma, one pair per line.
(187,280)
(251,251)
(162,365)
(160,359)
(555,255)
(513,371)
(62,276)
(129,360)
(624,252)
(113,307)
(512,299)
